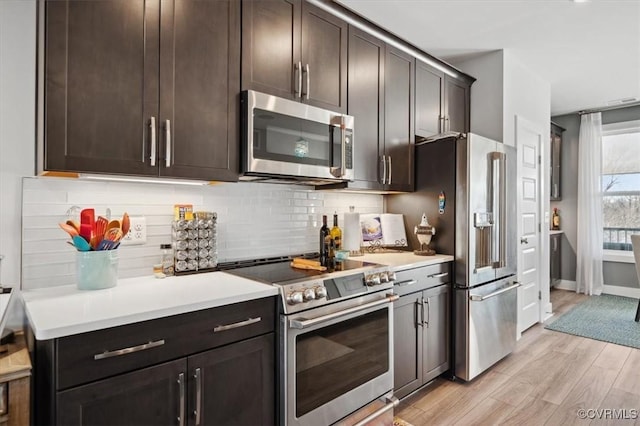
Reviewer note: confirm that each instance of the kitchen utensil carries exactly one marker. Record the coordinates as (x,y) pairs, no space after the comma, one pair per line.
(69,229)
(75,224)
(87,223)
(81,244)
(126,224)
(115,223)
(101,227)
(306,261)
(305,266)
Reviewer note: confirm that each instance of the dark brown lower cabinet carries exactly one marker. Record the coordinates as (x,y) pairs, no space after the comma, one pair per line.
(231,385)
(421,338)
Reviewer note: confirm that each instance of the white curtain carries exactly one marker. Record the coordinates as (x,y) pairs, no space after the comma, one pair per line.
(590,223)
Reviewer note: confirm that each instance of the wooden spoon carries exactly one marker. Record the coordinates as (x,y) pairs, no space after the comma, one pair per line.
(115,223)
(69,229)
(126,224)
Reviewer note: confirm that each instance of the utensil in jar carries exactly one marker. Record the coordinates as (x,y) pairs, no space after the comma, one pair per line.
(126,224)
(69,229)
(115,223)
(75,224)
(81,244)
(87,223)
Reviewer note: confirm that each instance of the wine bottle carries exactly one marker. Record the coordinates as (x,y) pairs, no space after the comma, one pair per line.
(325,237)
(555,219)
(336,237)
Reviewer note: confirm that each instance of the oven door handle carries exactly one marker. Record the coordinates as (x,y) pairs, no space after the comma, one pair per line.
(391,403)
(302,324)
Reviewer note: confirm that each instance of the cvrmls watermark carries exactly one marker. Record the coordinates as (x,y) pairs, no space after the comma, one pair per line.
(609,413)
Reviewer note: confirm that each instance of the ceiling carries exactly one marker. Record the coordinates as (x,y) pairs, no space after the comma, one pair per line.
(588,52)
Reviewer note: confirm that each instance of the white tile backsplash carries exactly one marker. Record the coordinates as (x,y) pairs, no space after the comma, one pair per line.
(254,220)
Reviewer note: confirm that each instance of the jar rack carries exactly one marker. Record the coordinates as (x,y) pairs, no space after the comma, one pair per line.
(194,242)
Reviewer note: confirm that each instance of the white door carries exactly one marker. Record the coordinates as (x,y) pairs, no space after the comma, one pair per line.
(528,143)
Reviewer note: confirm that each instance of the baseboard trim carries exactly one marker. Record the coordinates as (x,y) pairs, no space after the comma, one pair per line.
(617,290)
(566,285)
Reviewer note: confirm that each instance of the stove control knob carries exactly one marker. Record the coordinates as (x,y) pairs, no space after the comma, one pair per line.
(391,276)
(321,292)
(295,297)
(373,279)
(309,294)
(384,277)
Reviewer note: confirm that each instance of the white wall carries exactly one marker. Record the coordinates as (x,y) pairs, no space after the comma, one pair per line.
(17,124)
(487,93)
(255,220)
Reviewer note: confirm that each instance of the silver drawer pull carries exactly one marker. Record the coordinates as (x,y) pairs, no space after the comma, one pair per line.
(110,354)
(479,298)
(440,275)
(237,324)
(405,283)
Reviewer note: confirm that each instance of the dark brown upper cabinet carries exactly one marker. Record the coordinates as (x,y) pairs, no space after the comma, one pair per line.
(381,96)
(442,102)
(399,87)
(295,50)
(138,88)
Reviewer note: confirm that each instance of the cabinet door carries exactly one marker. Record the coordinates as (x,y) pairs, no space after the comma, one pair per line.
(556,149)
(436,332)
(457,105)
(556,262)
(324,59)
(101,85)
(271,47)
(366,105)
(429,98)
(407,343)
(234,385)
(151,396)
(398,118)
(199,108)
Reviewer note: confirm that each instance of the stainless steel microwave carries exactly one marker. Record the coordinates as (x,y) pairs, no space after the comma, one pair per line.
(284,139)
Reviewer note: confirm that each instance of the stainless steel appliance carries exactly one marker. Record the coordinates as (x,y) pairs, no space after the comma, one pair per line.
(284,139)
(476,221)
(336,337)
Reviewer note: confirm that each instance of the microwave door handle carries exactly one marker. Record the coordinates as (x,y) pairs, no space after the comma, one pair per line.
(342,170)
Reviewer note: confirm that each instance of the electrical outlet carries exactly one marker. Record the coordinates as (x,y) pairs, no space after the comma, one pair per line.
(137,234)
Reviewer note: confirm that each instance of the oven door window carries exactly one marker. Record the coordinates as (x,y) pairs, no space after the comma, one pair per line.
(338,358)
(289,139)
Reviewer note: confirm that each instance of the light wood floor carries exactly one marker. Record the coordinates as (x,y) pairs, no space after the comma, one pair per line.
(546,380)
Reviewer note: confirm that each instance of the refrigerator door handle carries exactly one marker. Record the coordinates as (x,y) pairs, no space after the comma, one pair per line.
(498,205)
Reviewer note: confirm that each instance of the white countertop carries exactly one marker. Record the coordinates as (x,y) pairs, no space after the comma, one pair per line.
(63,311)
(404,260)
(555,231)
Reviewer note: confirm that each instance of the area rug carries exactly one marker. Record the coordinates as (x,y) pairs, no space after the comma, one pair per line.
(397,421)
(607,318)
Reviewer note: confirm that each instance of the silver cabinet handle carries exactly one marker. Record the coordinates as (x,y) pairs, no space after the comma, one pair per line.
(392,402)
(422,311)
(440,275)
(167,127)
(479,298)
(181,384)
(305,323)
(306,70)
(237,324)
(198,411)
(418,305)
(152,132)
(389,178)
(299,72)
(405,283)
(384,169)
(132,349)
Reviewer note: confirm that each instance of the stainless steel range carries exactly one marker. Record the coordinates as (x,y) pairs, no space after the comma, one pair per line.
(335,339)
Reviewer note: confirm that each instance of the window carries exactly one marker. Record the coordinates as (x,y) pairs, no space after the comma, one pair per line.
(621,183)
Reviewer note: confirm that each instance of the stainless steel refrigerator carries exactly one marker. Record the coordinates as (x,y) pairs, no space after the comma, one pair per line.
(467,187)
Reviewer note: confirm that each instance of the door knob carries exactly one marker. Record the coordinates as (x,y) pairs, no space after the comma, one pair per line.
(524,240)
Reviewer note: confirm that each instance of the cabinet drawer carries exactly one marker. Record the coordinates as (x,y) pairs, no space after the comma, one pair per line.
(416,279)
(90,356)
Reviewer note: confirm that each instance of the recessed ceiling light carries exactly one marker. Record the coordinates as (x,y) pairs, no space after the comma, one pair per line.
(580,1)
